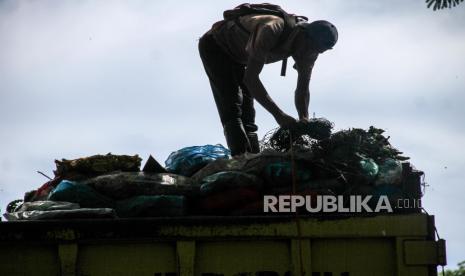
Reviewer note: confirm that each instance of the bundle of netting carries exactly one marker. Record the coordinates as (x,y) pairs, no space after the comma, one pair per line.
(355,143)
(303,134)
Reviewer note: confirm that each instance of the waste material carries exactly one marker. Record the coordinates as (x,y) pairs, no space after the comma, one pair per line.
(123,185)
(369,167)
(223,181)
(46,205)
(96,165)
(346,145)
(82,194)
(390,172)
(302,133)
(227,201)
(220,165)
(205,180)
(188,161)
(151,206)
(62,214)
(152,166)
(13,205)
(43,191)
(279,174)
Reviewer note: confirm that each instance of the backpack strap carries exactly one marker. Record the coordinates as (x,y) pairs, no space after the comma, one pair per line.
(283,67)
(290,20)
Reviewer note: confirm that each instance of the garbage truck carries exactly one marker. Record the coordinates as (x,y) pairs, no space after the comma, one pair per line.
(200,242)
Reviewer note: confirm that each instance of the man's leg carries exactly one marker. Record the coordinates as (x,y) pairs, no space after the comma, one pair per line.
(248,119)
(221,71)
(248,116)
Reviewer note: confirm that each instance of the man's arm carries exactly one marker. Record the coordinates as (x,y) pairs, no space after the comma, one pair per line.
(258,91)
(302,92)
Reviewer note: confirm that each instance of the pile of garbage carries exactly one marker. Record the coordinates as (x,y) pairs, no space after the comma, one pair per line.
(305,159)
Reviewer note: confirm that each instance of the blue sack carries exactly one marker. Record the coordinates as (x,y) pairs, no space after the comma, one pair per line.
(188,161)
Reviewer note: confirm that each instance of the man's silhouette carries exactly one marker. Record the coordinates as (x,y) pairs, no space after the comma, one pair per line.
(234,52)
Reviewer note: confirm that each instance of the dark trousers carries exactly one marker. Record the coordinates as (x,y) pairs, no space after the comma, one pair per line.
(233,100)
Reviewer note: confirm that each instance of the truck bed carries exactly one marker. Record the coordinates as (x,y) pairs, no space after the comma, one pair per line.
(213,246)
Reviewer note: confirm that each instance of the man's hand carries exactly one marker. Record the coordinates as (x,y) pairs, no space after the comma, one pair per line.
(285,120)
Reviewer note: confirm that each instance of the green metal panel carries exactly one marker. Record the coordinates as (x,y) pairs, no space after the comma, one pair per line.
(29,260)
(68,255)
(403,269)
(420,252)
(185,257)
(126,259)
(383,245)
(357,256)
(242,257)
(301,256)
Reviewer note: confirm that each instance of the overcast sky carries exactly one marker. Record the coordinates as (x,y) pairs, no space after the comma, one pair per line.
(79,78)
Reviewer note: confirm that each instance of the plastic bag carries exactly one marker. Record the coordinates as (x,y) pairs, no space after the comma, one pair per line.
(223,181)
(47,205)
(62,214)
(390,172)
(369,167)
(82,194)
(127,184)
(220,165)
(189,160)
(43,192)
(151,206)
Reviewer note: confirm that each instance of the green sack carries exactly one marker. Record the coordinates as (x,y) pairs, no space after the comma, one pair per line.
(151,206)
(229,180)
(129,184)
(279,174)
(220,165)
(82,194)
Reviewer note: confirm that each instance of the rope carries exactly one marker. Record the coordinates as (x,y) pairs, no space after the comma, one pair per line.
(297,217)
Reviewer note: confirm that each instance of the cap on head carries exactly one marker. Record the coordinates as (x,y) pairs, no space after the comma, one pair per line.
(322,32)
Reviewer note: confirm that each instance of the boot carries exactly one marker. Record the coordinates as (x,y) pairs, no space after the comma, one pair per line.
(236,137)
(253,141)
